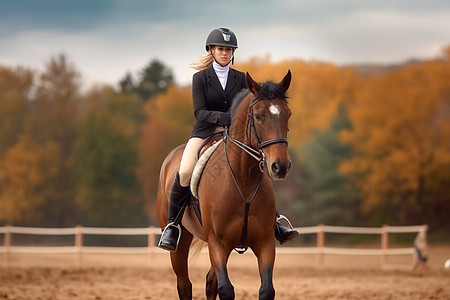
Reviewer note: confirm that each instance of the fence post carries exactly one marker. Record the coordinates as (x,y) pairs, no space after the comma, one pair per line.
(384,245)
(320,244)
(7,244)
(79,245)
(151,241)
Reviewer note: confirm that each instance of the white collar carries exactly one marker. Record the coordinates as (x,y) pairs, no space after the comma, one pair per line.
(221,70)
(222,73)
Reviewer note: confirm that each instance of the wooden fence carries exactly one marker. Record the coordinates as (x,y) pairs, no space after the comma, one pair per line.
(151,232)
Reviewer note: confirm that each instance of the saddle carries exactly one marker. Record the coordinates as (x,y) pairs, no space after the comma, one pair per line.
(205,153)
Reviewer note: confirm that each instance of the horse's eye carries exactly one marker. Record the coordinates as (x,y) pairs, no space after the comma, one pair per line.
(258,117)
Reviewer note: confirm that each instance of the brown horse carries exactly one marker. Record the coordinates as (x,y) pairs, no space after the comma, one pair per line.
(235,193)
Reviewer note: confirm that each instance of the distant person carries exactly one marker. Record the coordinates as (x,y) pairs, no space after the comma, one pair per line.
(421,251)
(213,89)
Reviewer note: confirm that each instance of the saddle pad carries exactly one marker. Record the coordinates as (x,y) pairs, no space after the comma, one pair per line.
(199,166)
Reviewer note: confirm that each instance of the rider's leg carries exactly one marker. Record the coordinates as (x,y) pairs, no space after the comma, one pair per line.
(189,159)
(179,196)
(284,234)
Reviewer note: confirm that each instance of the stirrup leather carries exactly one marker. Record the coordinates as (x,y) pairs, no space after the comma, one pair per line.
(283,217)
(171,224)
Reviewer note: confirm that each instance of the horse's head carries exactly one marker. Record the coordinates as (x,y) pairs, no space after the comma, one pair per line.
(269,114)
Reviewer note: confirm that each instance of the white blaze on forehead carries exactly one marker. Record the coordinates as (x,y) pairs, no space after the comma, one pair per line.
(275,110)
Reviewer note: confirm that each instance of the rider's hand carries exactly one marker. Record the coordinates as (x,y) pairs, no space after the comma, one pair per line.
(224,119)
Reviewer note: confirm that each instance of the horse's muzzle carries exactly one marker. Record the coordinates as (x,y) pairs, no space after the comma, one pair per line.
(279,170)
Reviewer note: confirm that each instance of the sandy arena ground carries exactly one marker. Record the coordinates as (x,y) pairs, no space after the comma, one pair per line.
(296,276)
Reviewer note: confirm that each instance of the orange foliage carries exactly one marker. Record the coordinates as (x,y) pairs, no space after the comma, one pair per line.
(317,90)
(175,106)
(401,135)
(26,177)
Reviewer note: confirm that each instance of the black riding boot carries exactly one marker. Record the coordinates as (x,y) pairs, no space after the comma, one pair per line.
(178,199)
(284,234)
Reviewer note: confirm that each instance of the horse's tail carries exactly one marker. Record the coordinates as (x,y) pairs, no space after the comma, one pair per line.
(197,245)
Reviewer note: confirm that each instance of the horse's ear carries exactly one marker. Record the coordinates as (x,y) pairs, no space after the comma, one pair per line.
(286,81)
(253,86)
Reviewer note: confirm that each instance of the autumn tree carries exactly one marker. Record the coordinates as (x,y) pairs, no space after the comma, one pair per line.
(402,149)
(15,87)
(54,111)
(27,178)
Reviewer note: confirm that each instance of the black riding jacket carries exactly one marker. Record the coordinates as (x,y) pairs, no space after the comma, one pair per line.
(210,100)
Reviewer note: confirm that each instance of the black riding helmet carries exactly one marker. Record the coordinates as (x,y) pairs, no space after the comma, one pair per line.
(221,37)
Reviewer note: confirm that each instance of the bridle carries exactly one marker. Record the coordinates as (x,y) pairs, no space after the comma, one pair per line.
(258,155)
(251,119)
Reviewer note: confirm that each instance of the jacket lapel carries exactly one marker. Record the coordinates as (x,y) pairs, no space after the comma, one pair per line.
(231,81)
(214,81)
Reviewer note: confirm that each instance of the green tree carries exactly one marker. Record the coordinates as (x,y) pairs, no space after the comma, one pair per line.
(153,79)
(330,199)
(104,164)
(126,84)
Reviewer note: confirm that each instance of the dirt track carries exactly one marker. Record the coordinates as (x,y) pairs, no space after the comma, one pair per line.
(118,279)
(143,283)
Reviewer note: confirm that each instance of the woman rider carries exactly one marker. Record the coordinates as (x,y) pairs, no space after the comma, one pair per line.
(213,89)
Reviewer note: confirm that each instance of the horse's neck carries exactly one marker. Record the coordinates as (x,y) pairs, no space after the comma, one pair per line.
(242,132)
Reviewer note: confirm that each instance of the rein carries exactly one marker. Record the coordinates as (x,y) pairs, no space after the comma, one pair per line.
(242,248)
(259,156)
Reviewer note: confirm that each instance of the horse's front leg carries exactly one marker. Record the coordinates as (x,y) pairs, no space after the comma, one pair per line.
(179,261)
(266,259)
(211,285)
(219,258)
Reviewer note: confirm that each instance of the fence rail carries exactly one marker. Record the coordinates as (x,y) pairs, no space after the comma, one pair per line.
(151,232)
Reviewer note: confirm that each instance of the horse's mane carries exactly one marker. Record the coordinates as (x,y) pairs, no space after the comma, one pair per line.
(269,90)
(237,101)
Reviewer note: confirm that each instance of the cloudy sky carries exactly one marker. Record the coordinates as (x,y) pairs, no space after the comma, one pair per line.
(105,39)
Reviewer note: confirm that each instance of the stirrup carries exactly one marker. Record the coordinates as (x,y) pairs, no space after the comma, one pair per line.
(283,217)
(241,249)
(178,227)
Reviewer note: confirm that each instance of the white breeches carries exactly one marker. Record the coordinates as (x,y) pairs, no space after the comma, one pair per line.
(189,158)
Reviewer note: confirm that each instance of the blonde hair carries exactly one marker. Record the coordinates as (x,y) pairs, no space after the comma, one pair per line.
(203,62)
